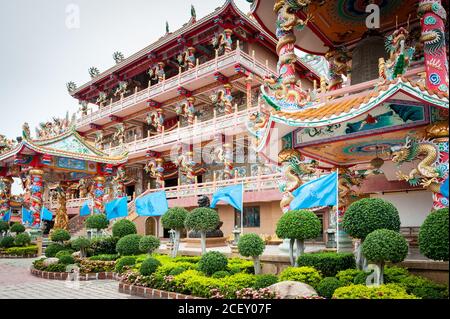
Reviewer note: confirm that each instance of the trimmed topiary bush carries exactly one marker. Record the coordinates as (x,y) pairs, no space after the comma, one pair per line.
(59,235)
(424,288)
(124,261)
(433,235)
(149,244)
(61,253)
(149,266)
(17,228)
(251,245)
(66,260)
(384,245)
(389,291)
(327,287)
(307,275)
(264,281)
(97,221)
(4,226)
(129,245)
(202,219)
(81,244)
(174,219)
(7,241)
(177,270)
(220,274)
(104,245)
(212,262)
(328,263)
(297,226)
(347,277)
(52,249)
(123,228)
(22,240)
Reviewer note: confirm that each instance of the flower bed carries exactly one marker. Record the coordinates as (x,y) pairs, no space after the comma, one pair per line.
(81,277)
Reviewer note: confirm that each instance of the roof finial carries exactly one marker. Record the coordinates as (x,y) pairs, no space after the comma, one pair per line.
(167,27)
(193,13)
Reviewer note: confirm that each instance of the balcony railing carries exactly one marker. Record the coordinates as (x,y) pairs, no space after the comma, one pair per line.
(201,70)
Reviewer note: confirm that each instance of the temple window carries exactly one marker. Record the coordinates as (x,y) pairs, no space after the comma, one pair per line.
(251,217)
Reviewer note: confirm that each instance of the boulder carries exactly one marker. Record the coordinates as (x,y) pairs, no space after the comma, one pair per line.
(76,254)
(292,290)
(50,261)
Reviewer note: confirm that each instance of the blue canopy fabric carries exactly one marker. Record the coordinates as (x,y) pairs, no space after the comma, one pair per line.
(319,192)
(117,208)
(85,210)
(231,195)
(46,214)
(7,216)
(27,217)
(444,188)
(153,204)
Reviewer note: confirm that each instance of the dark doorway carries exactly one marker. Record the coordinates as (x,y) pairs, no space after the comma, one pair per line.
(130,191)
(171,182)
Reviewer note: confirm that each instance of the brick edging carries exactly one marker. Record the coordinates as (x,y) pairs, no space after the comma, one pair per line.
(151,293)
(18,256)
(82,277)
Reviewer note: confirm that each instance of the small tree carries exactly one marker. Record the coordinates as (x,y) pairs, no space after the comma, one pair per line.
(366,215)
(97,222)
(433,235)
(384,245)
(22,240)
(123,228)
(17,228)
(202,219)
(4,226)
(251,245)
(59,235)
(174,219)
(81,244)
(297,226)
(149,244)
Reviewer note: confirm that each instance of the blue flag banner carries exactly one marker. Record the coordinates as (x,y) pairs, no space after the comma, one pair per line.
(27,217)
(444,188)
(46,214)
(231,195)
(85,210)
(117,208)
(7,216)
(319,192)
(153,204)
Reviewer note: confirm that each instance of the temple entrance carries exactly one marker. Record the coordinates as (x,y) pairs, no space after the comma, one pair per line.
(130,191)
(150,226)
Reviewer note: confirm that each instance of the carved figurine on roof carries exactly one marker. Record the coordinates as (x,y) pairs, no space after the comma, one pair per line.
(155,119)
(189,167)
(224,155)
(155,168)
(223,42)
(432,169)
(157,73)
(186,59)
(122,88)
(187,109)
(6,144)
(222,99)
(119,182)
(102,99)
(84,108)
(119,135)
(55,127)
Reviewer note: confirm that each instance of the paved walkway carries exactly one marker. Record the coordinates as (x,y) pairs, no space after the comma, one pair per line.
(16,282)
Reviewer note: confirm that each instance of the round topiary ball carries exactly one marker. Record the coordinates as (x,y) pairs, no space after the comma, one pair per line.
(66,260)
(52,249)
(383,245)
(265,280)
(22,240)
(433,235)
(149,243)
(368,214)
(59,235)
(129,245)
(327,286)
(202,219)
(4,226)
(97,221)
(174,218)
(7,241)
(251,245)
(61,253)
(123,228)
(17,228)
(212,262)
(149,266)
(299,224)
(124,261)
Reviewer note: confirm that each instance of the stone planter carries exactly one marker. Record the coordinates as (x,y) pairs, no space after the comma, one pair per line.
(151,293)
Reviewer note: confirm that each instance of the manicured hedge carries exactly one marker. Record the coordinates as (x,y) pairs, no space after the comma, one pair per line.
(129,245)
(22,251)
(328,286)
(433,235)
(328,263)
(389,291)
(123,227)
(307,275)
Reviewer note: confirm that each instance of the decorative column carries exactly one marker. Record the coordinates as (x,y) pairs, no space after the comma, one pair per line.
(160,73)
(5,195)
(159,173)
(225,155)
(338,60)
(228,42)
(36,192)
(99,192)
(190,110)
(248,89)
(228,99)
(190,58)
(119,182)
(61,217)
(432,16)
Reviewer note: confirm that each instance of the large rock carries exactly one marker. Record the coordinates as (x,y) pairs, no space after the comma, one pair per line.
(293,290)
(76,254)
(50,261)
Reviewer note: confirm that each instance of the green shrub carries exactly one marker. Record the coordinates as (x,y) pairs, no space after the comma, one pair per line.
(22,251)
(96,266)
(149,243)
(327,286)
(298,224)
(105,257)
(61,253)
(394,274)
(368,214)
(123,228)
(56,268)
(424,288)
(52,249)
(97,221)
(251,245)
(177,270)
(193,282)
(66,259)
(212,261)
(59,235)
(7,241)
(237,265)
(264,281)
(220,274)
(328,263)
(17,228)
(171,268)
(307,275)
(348,276)
(104,245)
(433,235)
(149,266)
(174,218)
(385,245)
(128,245)
(361,278)
(81,244)
(22,239)
(202,219)
(389,291)
(229,285)
(124,261)
(4,226)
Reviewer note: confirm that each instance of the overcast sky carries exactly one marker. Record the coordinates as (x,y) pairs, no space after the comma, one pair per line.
(42,48)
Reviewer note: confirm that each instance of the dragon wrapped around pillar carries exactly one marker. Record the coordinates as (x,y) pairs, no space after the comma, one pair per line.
(223,42)
(338,60)
(225,155)
(61,216)
(223,100)
(5,195)
(187,109)
(99,193)
(189,167)
(156,120)
(36,193)
(400,54)
(119,182)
